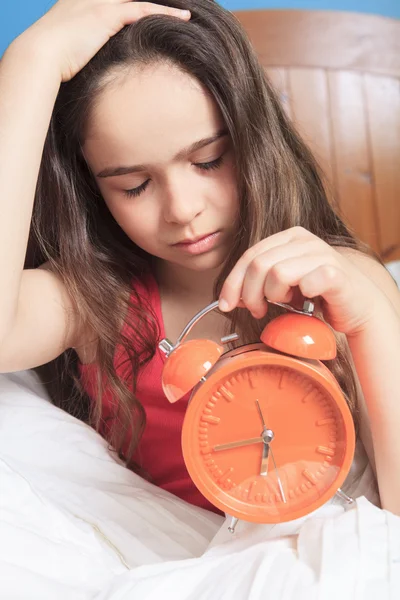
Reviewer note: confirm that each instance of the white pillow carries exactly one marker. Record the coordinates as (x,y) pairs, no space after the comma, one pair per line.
(71,515)
(394,269)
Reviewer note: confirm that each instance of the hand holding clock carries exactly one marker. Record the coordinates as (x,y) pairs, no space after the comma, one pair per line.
(297,259)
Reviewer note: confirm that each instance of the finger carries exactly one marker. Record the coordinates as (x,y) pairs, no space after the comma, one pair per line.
(253,288)
(276,289)
(241,304)
(327,281)
(232,288)
(252,292)
(283,277)
(131,12)
(297,299)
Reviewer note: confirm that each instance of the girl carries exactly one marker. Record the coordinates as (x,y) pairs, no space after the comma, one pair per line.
(167,175)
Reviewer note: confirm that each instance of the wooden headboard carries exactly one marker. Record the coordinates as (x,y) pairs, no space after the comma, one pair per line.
(338,76)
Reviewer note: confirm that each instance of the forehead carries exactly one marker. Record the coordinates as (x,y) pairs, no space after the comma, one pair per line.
(148,114)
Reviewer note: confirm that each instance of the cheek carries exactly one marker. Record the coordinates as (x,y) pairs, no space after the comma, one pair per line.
(227,193)
(137,220)
(227,196)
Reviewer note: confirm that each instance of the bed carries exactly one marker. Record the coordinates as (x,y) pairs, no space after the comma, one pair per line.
(75,524)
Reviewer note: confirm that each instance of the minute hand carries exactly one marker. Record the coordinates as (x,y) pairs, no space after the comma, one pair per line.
(247,442)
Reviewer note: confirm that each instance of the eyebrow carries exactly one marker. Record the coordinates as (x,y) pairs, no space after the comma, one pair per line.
(115,171)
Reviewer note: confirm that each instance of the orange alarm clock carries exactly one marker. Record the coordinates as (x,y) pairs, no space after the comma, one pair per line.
(267,436)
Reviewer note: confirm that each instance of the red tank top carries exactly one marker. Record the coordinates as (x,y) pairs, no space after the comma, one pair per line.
(159,451)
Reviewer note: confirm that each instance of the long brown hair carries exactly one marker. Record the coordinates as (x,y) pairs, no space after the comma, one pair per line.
(279,186)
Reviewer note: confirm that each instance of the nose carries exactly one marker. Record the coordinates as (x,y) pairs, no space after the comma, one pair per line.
(183,202)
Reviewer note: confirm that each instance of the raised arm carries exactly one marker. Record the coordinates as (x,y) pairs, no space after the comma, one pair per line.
(34,326)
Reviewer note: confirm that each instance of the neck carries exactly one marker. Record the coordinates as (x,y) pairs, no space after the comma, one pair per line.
(186,284)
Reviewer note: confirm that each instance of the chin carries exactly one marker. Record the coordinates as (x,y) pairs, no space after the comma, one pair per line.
(205,262)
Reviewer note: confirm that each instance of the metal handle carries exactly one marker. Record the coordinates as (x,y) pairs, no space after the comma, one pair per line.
(167,346)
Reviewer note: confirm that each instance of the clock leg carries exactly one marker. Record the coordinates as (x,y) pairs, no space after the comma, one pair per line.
(232,526)
(344,496)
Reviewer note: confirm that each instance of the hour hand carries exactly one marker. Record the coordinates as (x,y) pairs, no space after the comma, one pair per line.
(236,444)
(264,460)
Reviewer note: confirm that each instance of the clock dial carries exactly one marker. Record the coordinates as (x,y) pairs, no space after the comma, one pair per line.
(272,477)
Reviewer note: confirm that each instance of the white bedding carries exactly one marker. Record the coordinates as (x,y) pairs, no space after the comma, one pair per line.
(75,524)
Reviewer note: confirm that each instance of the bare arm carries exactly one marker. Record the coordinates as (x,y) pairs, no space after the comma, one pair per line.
(45,323)
(376,355)
(28,88)
(36,318)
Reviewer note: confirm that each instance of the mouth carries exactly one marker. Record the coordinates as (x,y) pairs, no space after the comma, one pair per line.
(188,241)
(200,244)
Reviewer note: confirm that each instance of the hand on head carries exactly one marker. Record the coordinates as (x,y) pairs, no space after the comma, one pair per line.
(72,31)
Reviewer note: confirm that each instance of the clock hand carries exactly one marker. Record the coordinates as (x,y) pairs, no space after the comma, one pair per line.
(238,443)
(279,479)
(261,415)
(264,460)
(267,436)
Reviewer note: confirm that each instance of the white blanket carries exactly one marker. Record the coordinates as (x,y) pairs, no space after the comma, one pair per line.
(75,524)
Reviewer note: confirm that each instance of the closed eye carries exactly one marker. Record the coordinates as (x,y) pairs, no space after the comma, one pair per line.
(135,192)
(208,166)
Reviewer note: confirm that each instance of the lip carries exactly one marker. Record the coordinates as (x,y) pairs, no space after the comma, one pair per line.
(194,240)
(200,244)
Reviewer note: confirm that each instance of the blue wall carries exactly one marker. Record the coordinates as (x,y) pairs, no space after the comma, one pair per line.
(387,8)
(17,15)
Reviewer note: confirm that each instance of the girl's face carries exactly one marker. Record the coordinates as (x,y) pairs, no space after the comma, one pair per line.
(162,158)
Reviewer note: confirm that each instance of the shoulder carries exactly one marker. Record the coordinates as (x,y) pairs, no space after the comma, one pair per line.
(372,268)
(84,338)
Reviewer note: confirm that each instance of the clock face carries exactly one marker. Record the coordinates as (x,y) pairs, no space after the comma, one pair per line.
(268,438)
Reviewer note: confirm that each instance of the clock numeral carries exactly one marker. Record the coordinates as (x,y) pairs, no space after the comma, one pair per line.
(280,384)
(329,421)
(310,476)
(326,451)
(251,490)
(313,394)
(250,377)
(210,419)
(225,475)
(247,493)
(203,444)
(226,393)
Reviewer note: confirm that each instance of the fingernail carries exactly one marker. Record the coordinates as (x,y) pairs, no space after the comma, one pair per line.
(185,13)
(223,305)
